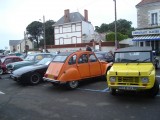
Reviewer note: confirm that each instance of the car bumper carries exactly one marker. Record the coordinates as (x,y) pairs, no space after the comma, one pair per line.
(15,78)
(53,81)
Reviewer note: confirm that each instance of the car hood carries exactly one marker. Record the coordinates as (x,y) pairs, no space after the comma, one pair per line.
(30,68)
(131,69)
(21,63)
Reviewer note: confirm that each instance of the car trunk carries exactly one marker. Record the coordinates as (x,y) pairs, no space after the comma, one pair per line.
(53,73)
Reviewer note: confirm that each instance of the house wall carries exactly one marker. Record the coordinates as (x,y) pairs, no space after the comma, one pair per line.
(144,14)
(68,33)
(87,31)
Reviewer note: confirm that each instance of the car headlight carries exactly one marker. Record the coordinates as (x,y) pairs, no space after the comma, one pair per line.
(112,79)
(144,79)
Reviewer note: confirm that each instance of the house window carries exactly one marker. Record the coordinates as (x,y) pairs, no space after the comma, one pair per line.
(141,44)
(60,29)
(73,27)
(154,18)
(147,43)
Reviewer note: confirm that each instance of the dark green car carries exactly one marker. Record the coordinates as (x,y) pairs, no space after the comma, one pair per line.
(29,60)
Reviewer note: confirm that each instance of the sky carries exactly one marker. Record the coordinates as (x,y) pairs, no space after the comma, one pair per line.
(16,15)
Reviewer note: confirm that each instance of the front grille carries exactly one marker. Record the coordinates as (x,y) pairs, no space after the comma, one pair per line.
(128,79)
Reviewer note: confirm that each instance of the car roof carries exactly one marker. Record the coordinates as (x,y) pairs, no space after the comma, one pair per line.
(134,49)
(11,57)
(78,52)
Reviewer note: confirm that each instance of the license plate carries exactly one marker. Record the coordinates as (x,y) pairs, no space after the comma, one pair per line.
(127,88)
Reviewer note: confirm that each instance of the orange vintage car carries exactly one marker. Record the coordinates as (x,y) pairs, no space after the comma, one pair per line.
(71,67)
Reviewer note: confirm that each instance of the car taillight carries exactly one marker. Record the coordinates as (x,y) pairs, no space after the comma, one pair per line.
(46,75)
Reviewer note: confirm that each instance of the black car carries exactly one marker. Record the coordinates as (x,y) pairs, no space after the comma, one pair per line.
(31,74)
(104,55)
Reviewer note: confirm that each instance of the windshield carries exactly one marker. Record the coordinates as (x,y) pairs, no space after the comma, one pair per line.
(45,61)
(60,58)
(134,57)
(29,58)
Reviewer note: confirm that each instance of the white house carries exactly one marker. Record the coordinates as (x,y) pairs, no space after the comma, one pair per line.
(73,28)
(19,45)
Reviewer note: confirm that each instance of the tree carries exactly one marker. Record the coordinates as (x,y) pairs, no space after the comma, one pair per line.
(123,27)
(35,30)
(111,36)
(49,33)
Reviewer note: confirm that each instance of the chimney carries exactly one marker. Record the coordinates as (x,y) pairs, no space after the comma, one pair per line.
(85,15)
(66,15)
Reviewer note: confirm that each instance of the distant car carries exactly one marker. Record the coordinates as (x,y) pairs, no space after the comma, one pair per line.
(31,74)
(29,60)
(105,56)
(7,60)
(70,67)
(1,56)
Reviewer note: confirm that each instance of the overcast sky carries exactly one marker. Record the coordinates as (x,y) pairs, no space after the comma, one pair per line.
(16,15)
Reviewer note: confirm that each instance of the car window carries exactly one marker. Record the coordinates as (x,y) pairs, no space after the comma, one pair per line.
(16,59)
(133,57)
(39,57)
(60,58)
(8,61)
(92,58)
(72,60)
(83,59)
(29,58)
(47,56)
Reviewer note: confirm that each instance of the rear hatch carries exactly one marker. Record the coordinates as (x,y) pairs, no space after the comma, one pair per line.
(53,70)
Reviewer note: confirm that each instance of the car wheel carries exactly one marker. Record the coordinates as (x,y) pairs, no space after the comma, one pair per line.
(113,91)
(154,90)
(35,78)
(1,71)
(73,84)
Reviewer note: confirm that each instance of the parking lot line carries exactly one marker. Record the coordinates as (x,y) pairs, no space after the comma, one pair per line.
(93,90)
(2,92)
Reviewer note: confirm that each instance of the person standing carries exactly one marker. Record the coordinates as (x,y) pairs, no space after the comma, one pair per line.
(88,48)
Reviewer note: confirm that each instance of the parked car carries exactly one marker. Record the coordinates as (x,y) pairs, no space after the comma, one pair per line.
(133,70)
(29,60)
(1,56)
(70,67)
(7,60)
(31,74)
(105,56)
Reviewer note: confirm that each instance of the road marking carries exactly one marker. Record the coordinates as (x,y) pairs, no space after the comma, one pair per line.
(93,90)
(2,93)
(158,76)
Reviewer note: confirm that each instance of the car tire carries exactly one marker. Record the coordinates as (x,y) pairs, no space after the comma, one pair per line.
(154,90)
(113,91)
(73,84)
(35,78)
(1,71)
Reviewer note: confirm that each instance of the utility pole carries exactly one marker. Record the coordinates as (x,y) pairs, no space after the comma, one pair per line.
(44,34)
(115,7)
(24,41)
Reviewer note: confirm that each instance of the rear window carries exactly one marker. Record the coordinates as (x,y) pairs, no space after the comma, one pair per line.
(60,58)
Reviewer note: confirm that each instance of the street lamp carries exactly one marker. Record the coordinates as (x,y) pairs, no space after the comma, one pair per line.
(115,23)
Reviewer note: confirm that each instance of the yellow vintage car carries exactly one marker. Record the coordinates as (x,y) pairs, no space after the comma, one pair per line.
(133,70)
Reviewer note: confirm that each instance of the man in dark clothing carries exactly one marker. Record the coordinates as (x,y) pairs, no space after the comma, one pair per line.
(88,48)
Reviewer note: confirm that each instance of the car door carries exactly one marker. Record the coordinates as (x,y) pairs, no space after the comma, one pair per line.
(94,66)
(83,66)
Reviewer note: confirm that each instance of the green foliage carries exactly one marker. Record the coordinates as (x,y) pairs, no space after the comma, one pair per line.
(34,30)
(111,36)
(123,27)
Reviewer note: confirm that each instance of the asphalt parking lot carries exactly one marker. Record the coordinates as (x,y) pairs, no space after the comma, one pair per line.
(91,101)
